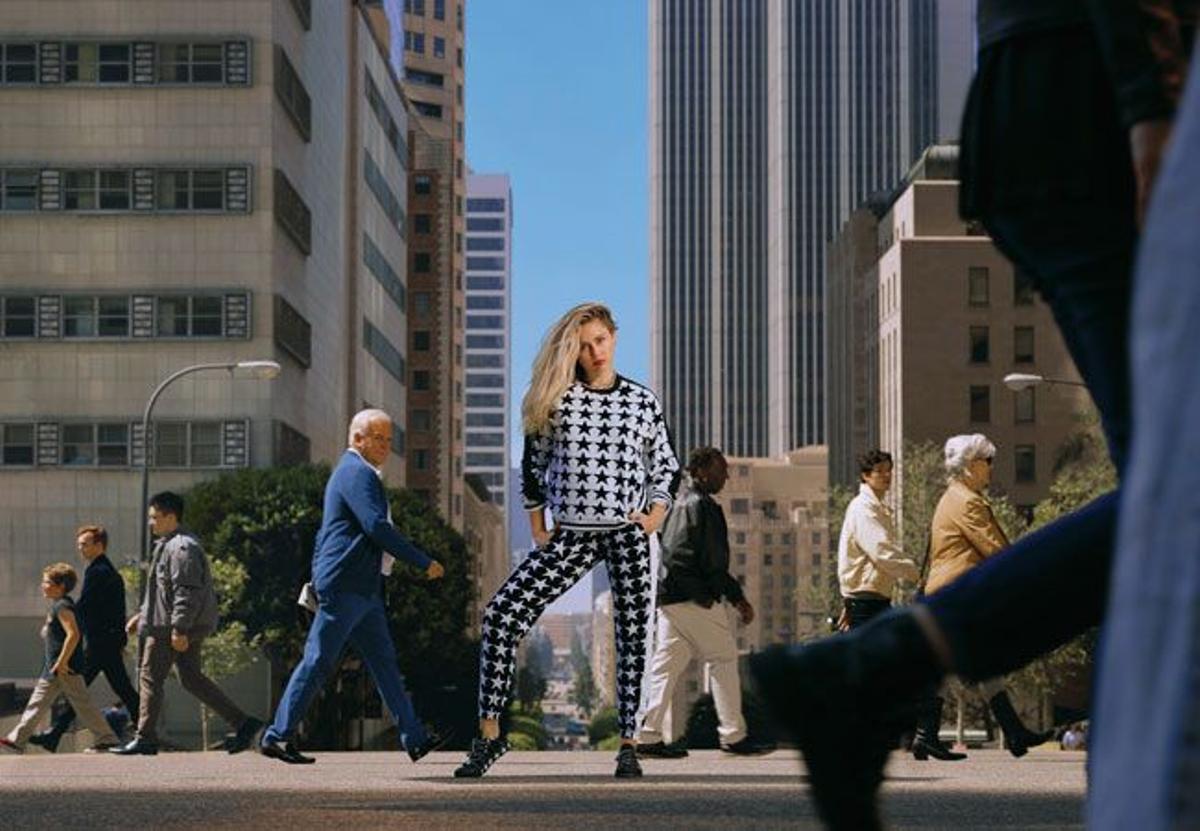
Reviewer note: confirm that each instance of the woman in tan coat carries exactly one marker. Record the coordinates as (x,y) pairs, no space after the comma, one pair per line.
(964,533)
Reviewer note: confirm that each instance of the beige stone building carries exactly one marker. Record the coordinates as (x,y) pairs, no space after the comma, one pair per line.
(941,317)
(483,530)
(184,183)
(427,40)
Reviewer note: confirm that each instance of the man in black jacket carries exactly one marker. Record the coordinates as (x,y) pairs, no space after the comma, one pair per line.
(697,597)
(101,612)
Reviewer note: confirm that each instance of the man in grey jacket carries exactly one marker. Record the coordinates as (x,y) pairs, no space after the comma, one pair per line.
(179,609)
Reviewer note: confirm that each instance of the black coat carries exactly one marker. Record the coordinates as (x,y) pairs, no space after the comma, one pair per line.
(101,606)
(695,554)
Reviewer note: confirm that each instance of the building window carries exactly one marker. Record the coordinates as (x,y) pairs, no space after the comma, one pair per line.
(1023,290)
(422,184)
(420,459)
(485,223)
(187,444)
(422,223)
(293,333)
(427,109)
(384,195)
(1023,345)
(485,284)
(384,351)
(191,63)
(99,63)
(485,439)
(292,95)
(485,399)
(485,322)
(485,341)
(1024,409)
(16,444)
(739,506)
(1025,462)
(981,404)
(439,47)
(416,7)
(484,380)
(421,340)
(420,380)
(422,304)
(90,445)
(487,301)
(291,446)
(485,419)
(292,214)
(190,190)
(485,244)
(18,190)
(481,205)
(378,265)
(420,76)
(91,317)
(485,361)
(978,350)
(414,42)
(189,316)
(96,190)
(422,420)
(18,63)
(485,264)
(422,262)
(18,317)
(977,286)
(439,9)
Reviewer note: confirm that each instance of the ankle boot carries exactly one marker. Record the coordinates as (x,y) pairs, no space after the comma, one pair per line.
(927,743)
(1017,737)
(844,700)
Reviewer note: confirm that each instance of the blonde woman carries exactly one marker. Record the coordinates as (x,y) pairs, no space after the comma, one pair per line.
(964,533)
(599,456)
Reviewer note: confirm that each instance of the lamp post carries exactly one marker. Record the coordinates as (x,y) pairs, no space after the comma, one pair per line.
(260,370)
(1017,381)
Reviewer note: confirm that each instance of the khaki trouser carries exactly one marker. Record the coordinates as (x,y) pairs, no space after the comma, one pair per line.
(72,688)
(157,659)
(685,631)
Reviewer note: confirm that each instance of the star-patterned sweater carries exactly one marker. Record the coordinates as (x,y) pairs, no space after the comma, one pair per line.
(604,454)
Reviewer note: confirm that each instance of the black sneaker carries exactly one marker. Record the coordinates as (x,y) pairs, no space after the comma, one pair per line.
(432,742)
(748,747)
(484,753)
(244,737)
(627,763)
(658,750)
(47,741)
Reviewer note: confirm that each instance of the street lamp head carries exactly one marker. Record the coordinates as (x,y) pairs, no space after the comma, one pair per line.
(259,370)
(1018,381)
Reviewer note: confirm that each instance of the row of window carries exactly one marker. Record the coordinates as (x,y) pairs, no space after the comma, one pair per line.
(166,189)
(175,444)
(378,265)
(486,264)
(485,301)
(979,287)
(485,380)
(979,345)
(390,129)
(384,351)
(485,419)
(489,360)
(485,341)
(383,193)
(485,223)
(291,213)
(207,315)
(1024,405)
(123,63)
(485,243)
(485,206)
(417,7)
(290,91)
(415,42)
(485,283)
(485,322)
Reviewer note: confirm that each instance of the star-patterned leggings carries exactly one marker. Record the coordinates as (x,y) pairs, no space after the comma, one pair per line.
(544,576)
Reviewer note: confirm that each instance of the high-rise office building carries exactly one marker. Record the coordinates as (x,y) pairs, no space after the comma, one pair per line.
(770,122)
(428,52)
(488,336)
(206,183)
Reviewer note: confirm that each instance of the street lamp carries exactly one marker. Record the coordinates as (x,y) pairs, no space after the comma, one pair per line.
(1017,381)
(258,370)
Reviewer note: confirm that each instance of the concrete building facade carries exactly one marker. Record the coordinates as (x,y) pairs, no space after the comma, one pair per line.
(186,183)
(940,318)
(770,122)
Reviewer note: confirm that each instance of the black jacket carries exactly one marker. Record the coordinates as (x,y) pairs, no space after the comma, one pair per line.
(695,554)
(101,606)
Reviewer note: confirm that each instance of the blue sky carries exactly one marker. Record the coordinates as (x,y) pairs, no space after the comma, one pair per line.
(556,98)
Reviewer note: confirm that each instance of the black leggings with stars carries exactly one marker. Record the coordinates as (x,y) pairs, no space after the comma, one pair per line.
(544,576)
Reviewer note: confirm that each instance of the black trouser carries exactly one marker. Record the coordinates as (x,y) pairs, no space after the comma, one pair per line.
(111,661)
(861,609)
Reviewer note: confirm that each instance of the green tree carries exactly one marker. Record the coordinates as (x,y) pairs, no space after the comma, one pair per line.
(604,725)
(583,688)
(265,521)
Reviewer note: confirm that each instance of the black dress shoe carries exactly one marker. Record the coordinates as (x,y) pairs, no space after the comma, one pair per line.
(284,753)
(745,747)
(432,742)
(47,741)
(137,747)
(244,737)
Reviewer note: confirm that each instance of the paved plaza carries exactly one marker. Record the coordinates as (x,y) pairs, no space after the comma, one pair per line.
(525,790)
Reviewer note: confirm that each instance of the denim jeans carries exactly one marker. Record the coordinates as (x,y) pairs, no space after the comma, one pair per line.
(361,621)
(1052,585)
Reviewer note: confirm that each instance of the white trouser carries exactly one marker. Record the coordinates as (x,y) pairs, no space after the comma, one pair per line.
(685,631)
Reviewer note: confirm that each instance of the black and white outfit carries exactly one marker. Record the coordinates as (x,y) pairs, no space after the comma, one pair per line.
(604,454)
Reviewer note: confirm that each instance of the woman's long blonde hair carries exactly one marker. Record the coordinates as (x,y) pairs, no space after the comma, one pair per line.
(557,362)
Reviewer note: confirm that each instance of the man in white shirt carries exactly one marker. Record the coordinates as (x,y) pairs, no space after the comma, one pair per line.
(870,561)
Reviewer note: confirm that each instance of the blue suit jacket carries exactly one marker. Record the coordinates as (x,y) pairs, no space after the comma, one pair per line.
(355,532)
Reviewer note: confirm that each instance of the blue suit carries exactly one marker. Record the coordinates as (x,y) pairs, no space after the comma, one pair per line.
(355,533)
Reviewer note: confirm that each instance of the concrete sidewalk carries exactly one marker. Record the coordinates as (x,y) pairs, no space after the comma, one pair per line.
(708,790)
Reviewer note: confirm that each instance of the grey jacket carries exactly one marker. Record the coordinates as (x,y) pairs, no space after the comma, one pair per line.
(179,589)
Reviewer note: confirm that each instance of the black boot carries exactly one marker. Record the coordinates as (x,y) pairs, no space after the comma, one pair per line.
(845,700)
(1017,737)
(929,723)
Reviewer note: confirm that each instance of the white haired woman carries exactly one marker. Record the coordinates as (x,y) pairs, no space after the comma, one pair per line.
(598,455)
(964,533)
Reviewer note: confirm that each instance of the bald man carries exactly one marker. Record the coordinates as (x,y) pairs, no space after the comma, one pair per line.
(354,548)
